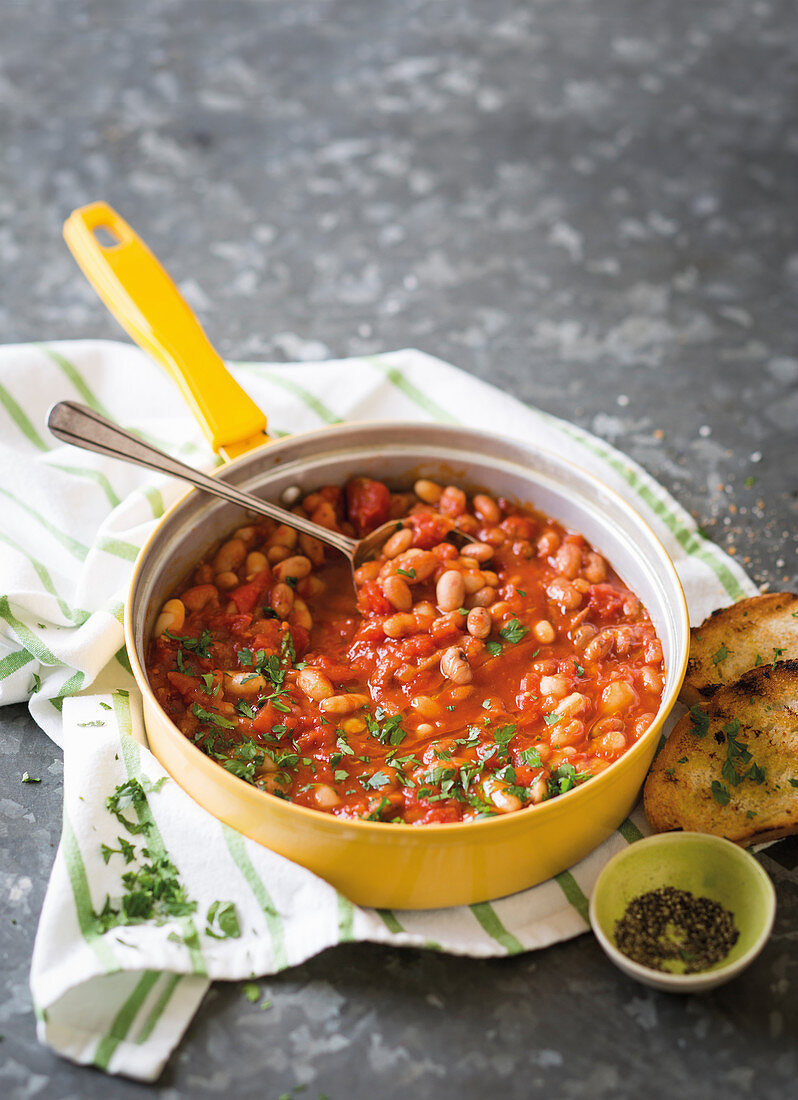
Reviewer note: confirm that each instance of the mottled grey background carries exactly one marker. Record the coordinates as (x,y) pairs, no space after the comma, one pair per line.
(591,203)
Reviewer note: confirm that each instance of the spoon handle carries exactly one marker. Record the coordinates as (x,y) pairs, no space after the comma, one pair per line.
(79,425)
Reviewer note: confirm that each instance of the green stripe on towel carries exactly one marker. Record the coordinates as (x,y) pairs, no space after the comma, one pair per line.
(76,378)
(77,616)
(76,549)
(573,892)
(92,475)
(84,909)
(30,641)
(123,1021)
(120,549)
(629,831)
(21,420)
(238,851)
(164,997)
(12,662)
(489,919)
(388,918)
(346,919)
(409,389)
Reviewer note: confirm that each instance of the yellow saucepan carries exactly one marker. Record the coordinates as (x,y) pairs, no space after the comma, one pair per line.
(391,866)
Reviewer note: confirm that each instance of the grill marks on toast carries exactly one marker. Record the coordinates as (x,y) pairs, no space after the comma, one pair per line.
(687,787)
(757,631)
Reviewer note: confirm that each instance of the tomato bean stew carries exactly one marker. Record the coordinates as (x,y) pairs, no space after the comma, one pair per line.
(454,683)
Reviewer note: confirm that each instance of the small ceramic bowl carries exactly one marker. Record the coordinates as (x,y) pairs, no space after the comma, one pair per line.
(708,867)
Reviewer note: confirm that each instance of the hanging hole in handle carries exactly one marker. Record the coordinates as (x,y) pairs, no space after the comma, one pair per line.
(106,237)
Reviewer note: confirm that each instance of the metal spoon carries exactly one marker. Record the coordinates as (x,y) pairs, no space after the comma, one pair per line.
(79,425)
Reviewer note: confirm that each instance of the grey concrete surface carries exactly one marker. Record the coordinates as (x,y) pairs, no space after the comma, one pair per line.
(591,204)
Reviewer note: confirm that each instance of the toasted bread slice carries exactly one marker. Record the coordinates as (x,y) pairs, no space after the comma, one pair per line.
(704,779)
(757,631)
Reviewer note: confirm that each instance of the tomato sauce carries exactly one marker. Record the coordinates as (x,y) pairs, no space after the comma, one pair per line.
(451,682)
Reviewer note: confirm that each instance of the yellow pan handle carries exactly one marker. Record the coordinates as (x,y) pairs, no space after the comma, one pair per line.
(148,305)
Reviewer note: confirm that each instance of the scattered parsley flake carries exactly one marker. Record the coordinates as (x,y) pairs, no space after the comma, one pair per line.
(720,792)
(209,685)
(379,779)
(513,631)
(201,646)
(700,721)
(563,779)
(387,729)
(252,992)
(27,778)
(222,921)
(211,717)
(411,573)
(721,654)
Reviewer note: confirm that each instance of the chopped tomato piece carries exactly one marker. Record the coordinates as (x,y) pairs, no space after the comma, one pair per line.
(246,596)
(605,601)
(368,503)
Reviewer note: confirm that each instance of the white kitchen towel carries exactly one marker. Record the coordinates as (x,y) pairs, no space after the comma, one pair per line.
(120,996)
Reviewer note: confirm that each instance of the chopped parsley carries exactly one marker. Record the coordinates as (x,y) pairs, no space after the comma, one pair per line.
(513,631)
(411,573)
(700,721)
(387,729)
(563,779)
(379,779)
(125,849)
(28,778)
(201,646)
(247,758)
(376,814)
(129,794)
(153,890)
(531,757)
(222,921)
(212,718)
(502,735)
(721,654)
(209,685)
(737,756)
(494,648)
(720,792)
(245,709)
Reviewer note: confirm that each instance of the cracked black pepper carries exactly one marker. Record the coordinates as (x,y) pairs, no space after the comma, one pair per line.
(671,929)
